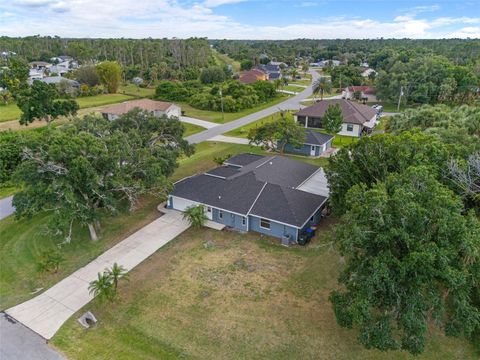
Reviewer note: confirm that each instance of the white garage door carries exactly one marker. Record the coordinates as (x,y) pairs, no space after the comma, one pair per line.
(182,204)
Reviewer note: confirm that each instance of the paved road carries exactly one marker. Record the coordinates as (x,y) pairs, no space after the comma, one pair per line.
(47,312)
(6,208)
(292,103)
(20,343)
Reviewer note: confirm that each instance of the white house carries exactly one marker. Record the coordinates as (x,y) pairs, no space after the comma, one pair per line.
(157,108)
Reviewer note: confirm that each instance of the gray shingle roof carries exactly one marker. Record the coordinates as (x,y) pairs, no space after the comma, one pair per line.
(243,159)
(353,112)
(290,206)
(239,189)
(316,138)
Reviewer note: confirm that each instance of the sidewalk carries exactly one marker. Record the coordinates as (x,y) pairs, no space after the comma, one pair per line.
(47,312)
(202,123)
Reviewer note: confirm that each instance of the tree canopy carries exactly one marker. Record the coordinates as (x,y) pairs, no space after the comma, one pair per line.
(110,75)
(93,167)
(333,119)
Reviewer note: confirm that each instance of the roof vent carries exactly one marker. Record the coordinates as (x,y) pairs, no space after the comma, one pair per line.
(219,196)
(271,163)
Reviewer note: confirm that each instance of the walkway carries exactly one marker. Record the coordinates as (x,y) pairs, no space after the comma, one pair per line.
(18,342)
(202,123)
(292,103)
(6,208)
(47,312)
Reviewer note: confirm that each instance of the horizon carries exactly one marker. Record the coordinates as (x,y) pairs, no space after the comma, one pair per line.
(241,19)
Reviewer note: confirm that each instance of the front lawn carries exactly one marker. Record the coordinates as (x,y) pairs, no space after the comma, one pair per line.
(22,243)
(191,129)
(133,90)
(242,132)
(216,116)
(9,112)
(293,88)
(224,295)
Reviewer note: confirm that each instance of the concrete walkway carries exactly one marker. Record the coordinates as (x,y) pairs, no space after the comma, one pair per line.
(202,123)
(229,139)
(47,312)
(6,208)
(18,342)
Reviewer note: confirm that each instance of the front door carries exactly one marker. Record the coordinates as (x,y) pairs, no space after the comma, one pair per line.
(209,213)
(312,150)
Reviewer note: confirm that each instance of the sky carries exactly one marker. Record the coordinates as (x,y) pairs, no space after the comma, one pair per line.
(242,19)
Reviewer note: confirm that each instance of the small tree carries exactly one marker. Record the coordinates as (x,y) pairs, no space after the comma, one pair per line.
(102,287)
(87,75)
(115,273)
(321,86)
(110,75)
(42,101)
(195,216)
(333,119)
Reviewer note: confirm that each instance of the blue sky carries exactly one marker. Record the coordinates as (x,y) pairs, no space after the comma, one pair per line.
(241,19)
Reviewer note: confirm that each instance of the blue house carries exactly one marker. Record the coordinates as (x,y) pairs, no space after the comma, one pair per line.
(315,144)
(272,195)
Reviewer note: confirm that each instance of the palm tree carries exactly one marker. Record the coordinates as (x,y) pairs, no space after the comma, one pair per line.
(116,272)
(278,84)
(321,85)
(195,216)
(102,287)
(293,73)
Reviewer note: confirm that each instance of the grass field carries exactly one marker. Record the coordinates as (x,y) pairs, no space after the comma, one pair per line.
(7,191)
(223,59)
(191,129)
(133,90)
(242,132)
(224,295)
(216,116)
(293,88)
(9,112)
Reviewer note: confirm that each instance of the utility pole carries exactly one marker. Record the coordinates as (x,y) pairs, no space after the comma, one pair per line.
(400,98)
(221,104)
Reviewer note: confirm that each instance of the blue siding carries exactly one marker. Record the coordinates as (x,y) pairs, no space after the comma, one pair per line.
(316,220)
(304,150)
(229,219)
(276,229)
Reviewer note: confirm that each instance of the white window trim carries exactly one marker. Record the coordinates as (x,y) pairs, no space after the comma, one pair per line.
(244,220)
(269,224)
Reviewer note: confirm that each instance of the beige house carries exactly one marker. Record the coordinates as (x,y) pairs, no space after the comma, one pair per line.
(358,119)
(157,108)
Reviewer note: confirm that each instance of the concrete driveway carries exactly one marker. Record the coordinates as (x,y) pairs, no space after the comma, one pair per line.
(6,208)
(202,123)
(47,312)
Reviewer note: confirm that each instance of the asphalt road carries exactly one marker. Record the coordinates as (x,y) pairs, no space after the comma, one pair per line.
(20,343)
(292,103)
(6,208)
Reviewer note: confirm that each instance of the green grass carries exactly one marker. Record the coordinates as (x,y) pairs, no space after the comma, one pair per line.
(302,81)
(7,191)
(242,132)
(293,88)
(223,59)
(9,112)
(216,116)
(191,129)
(243,296)
(22,243)
(102,99)
(133,90)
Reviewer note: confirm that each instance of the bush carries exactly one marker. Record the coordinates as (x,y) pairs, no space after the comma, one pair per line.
(172,91)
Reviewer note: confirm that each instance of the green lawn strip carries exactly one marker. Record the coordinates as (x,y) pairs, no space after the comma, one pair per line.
(133,90)
(293,88)
(9,112)
(270,302)
(300,82)
(191,129)
(223,59)
(242,132)
(216,116)
(7,191)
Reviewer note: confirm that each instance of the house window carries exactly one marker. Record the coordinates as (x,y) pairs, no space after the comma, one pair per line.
(312,148)
(220,214)
(244,220)
(265,224)
(349,127)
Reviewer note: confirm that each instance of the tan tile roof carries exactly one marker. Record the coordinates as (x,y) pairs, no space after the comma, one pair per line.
(142,104)
(353,112)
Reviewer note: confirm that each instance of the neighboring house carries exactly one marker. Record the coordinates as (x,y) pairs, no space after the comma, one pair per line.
(358,119)
(272,195)
(365,93)
(35,74)
(39,65)
(61,58)
(251,76)
(315,144)
(366,72)
(157,108)
(272,70)
(58,79)
(323,63)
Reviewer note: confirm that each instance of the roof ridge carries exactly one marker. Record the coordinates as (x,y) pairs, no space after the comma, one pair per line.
(287,199)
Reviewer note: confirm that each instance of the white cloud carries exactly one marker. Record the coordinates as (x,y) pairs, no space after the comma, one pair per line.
(168,18)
